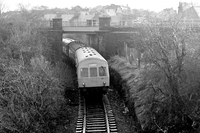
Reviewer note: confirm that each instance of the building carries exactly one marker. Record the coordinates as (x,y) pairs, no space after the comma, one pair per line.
(49,16)
(183,6)
(66,19)
(167,14)
(189,14)
(84,20)
(110,11)
(84,12)
(188,11)
(115,20)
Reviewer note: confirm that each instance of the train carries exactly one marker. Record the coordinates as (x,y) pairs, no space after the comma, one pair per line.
(91,68)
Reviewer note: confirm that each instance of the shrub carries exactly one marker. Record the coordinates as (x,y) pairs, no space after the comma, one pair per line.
(31,101)
(147,97)
(31,88)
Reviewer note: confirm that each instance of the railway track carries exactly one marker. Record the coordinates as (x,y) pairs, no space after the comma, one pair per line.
(95,116)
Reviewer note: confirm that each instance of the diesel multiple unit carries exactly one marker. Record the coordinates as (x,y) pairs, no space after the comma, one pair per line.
(92,69)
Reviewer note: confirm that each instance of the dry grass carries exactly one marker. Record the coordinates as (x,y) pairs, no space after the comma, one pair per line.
(145,92)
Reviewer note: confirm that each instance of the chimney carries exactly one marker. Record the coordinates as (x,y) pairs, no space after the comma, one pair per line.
(57,23)
(180,8)
(104,22)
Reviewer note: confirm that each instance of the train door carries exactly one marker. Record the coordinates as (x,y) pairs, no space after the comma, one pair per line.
(103,75)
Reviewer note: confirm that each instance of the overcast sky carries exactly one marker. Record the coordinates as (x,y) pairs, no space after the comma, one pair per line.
(152,5)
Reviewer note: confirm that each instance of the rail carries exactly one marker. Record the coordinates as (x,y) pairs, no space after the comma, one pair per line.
(95,116)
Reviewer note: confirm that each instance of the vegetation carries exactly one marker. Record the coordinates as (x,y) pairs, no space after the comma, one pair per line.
(116,44)
(31,88)
(162,92)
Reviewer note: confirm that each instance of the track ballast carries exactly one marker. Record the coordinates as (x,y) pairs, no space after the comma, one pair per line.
(95,115)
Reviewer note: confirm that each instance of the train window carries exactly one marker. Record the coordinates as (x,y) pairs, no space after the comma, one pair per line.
(102,71)
(93,72)
(84,72)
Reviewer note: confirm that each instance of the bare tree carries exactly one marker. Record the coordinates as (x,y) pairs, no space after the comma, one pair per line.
(2,6)
(165,52)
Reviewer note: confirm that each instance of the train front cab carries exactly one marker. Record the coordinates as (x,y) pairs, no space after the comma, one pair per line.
(93,77)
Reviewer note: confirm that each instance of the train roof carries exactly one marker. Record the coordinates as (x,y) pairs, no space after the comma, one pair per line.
(76,45)
(73,44)
(67,40)
(86,53)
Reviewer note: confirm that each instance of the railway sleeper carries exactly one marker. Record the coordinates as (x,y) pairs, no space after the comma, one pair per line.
(93,131)
(88,128)
(92,123)
(96,118)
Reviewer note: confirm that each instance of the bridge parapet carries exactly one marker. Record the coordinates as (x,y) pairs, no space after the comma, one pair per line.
(105,22)
(79,24)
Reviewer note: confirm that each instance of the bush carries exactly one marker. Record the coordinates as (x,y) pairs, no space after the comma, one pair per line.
(122,74)
(31,101)
(145,92)
(32,89)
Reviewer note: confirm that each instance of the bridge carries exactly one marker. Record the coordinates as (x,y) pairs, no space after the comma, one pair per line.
(80,27)
(105,25)
(96,32)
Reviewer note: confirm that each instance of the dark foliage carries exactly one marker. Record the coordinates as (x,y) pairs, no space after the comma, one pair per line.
(117,82)
(149,106)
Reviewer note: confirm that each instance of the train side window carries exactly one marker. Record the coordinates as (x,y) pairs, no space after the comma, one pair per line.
(102,71)
(84,72)
(93,72)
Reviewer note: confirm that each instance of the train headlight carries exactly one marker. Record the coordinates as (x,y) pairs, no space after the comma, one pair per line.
(83,84)
(104,83)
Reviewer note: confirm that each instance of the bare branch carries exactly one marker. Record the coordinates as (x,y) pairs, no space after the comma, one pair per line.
(2,6)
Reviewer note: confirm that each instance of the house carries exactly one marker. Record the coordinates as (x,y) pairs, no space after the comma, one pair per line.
(190,14)
(127,19)
(83,20)
(116,20)
(110,11)
(140,20)
(49,16)
(189,11)
(113,10)
(183,6)
(94,21)
(119,10)
(167,14)
(66,19)
(84,12)
(126,9)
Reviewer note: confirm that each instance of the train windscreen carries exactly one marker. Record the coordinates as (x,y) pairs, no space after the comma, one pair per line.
(93,72)
(84,72)
(102,71)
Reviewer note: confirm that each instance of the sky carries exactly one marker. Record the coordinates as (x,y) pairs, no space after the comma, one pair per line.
(151,5)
